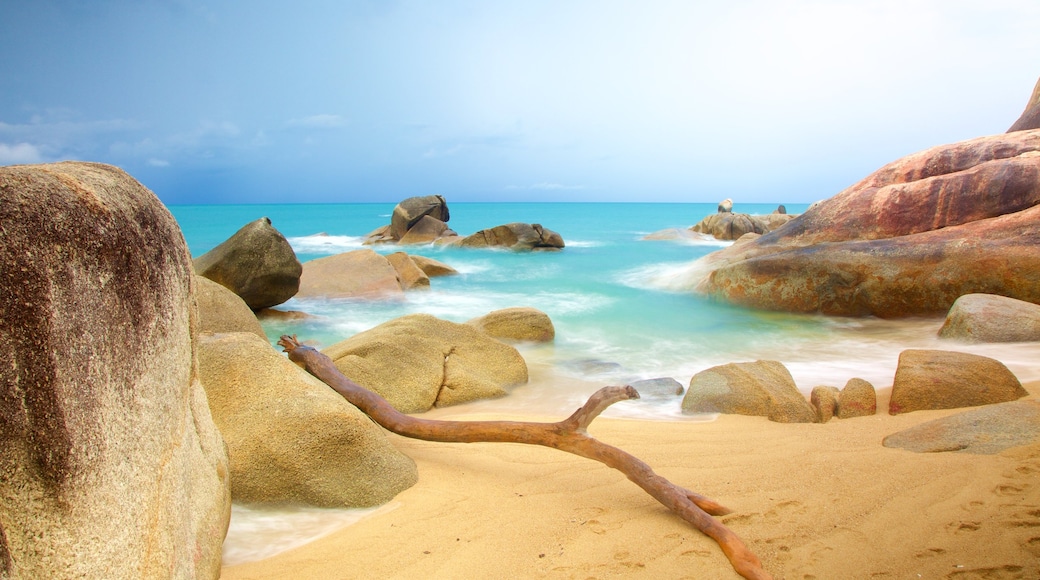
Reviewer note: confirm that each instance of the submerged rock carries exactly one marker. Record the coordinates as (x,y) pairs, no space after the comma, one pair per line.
(111,465)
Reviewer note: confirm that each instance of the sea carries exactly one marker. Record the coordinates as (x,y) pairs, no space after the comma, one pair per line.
(621,304)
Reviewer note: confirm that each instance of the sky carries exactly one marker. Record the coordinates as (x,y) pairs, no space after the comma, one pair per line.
(491,100)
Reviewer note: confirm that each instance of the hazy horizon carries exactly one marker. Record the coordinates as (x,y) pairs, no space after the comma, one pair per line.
(376,101)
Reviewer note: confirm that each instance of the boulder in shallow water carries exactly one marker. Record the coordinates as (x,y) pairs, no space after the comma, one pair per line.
(939,379)
(731,226)
(292,439)
(411,211)
(519,324)
(257,263)
(433,268)
(760,388)
(110,464)
(991,318)
(426,231)
(515,236)
(356,274)
(409,275)
(417,362)
(660,388)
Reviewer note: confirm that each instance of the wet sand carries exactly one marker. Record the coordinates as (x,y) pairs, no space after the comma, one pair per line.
(812,501)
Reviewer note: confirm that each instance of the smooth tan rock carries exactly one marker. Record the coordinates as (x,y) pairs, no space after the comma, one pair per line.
(221,310)
(857,399)
(257,263)
(519,324)
(991,318)
(433,268)
(825,400)
(985,431)
(110,463)
(292,439)
(939,379)
(418,361)
(426,231)
(907,240)
(409,275)
(760,388)
(357,274)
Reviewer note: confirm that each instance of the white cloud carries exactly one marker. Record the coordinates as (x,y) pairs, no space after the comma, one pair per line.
(158,162)
(318,121)
(19,153)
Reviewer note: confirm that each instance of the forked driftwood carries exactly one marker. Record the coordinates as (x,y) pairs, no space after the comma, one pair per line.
(568,435)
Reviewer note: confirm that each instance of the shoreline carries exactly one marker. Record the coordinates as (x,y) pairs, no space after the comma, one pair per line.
(811,500)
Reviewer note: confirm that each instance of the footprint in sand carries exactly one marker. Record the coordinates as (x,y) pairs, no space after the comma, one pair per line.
(1009,572)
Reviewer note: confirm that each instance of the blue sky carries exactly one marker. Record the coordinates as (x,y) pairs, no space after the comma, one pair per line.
(577,100)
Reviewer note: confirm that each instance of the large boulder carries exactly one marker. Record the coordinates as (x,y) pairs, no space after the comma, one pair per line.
(521,323)
(221,310)
(907,240)
(410,211)
(357,274)
(110,464)
(992,318)
(417,362)
(257,263)
(731,226)
(762,388)
(514,236)
(292,439)
(985,431)
(1030,118)
(939,379)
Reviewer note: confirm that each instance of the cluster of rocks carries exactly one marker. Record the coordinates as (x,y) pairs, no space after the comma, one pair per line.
(424,220)
(726,225)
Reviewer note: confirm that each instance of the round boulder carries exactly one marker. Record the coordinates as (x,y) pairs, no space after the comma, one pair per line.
(257,263)
(292,439)
(992,318)
(418,361)
(760,388)
(939,379)
(519,324)
(111,463)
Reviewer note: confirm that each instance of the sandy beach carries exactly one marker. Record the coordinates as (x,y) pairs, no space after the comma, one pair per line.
(813,501)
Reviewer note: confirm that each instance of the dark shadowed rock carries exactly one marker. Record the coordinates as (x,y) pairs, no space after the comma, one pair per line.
(409,275)
(1030,118)
(825,400)
(939,379)
(725,206)
(221,310)
(519,324)
(514,236)
(418,361)
(410,211)
(426,231)
(292,439)
(761,388)
(110,464)
(985,431)
(907,240)
(257,263)
(991,318)
(857,399)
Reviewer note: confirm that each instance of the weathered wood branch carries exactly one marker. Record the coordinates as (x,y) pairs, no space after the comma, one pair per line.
(568,435)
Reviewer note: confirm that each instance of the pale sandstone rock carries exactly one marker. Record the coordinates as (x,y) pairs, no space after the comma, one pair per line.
(221,310)
(992,318)
(939,379)
(520,324)
(761,388)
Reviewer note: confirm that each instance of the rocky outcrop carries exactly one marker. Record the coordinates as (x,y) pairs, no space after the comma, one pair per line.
(1030,118)
(985,431)
(110,464)
(991,318)
(257,263)
(939,379)
(731,226)
(516,236)
(417,362)
(516,324)
(907,240)
(416,220)
(761,388)
(857,399)
(221,310)
(291,439)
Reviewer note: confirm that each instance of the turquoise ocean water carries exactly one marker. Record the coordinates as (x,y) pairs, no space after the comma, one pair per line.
(621,304)
(621,307)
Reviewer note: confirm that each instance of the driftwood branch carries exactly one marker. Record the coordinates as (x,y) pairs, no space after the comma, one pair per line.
(568,435)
